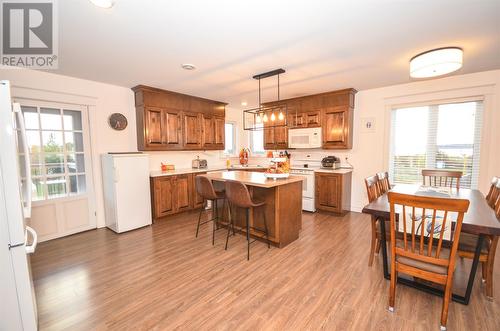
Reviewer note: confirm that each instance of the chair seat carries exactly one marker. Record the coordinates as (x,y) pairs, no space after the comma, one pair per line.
(257,203)
(468,242)
(445,254)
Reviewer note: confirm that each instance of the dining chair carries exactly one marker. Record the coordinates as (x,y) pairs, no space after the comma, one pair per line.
(442,178)
(494,192)
(468,242)
(420,253)
(373,191)
(383,182)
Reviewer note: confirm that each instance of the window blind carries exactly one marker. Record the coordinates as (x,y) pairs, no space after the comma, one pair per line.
(436,136)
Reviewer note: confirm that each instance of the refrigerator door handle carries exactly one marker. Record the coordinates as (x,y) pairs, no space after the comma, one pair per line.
(116,175)
(16,107)
(30,249)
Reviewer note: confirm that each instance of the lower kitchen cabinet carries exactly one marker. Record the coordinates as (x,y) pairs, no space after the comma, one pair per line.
(333,191)
(171,194)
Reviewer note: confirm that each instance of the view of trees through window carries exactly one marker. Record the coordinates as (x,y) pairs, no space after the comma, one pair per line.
(443,136)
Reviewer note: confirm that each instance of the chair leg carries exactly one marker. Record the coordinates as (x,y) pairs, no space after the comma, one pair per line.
(199,219)
(265,227)
(229,225)
(248,233)
(373,242)
(214,221)
(392,290)
(446,303)
(484,271)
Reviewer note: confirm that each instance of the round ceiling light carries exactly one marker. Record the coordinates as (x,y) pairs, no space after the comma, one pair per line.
(188,66)
(436,62)
(103,3)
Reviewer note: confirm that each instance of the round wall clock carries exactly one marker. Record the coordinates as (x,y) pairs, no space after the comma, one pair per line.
(117,121)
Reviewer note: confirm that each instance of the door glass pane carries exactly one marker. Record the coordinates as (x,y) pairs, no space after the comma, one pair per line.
(52,141)
(54,164)
(56,187)
(33,139)
(76,163)
(36,166)
(37,189)
(72,120)
(77,184)
(30,118)
(74,141)
(50,119)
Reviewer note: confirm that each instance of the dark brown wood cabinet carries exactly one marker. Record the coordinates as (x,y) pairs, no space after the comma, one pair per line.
(171,194)
(162,196)
(333,191)
(275,136)
(332,111)
(337,127)
(172,121)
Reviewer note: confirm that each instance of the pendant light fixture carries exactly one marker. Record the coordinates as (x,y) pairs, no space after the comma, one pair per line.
(266,116)
(436,62)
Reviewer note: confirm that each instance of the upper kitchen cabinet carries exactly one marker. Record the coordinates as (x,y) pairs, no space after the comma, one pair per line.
(332,111)
(173,121)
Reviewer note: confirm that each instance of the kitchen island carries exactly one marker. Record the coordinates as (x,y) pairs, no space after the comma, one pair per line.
(283,207)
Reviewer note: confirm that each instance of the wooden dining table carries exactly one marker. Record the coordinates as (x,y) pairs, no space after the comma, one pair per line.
(480,220)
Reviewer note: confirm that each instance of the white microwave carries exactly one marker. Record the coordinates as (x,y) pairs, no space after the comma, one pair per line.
(304,138)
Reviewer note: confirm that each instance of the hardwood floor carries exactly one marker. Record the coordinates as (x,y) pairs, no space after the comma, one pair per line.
(163,278)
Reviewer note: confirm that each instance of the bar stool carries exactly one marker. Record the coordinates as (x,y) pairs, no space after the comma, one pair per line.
(238,196)
(206,190)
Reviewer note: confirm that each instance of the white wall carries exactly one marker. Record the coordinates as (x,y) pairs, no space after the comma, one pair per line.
(369,155)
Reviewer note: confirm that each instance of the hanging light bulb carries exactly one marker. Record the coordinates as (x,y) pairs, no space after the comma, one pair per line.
(273,117)
(264,119)
(258,119)
(280,116)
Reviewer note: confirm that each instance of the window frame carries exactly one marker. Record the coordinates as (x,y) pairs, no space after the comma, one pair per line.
(86,151)
(479,126)
(223,153)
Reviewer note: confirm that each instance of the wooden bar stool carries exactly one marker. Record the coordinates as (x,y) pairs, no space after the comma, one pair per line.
(238,196)
(206,190)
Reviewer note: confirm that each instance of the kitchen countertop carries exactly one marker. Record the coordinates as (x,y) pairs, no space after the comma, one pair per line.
(253,178)
(334,171)
(158,173)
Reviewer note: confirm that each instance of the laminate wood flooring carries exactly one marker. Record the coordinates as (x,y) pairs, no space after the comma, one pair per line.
(163,278)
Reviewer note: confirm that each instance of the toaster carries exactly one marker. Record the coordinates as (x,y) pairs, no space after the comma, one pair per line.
(199,163)
(331,161)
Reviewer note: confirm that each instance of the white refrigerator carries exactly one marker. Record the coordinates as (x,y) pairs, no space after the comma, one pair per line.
(127,200)
(17,241)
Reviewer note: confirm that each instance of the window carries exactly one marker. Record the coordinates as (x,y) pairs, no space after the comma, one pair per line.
(257,142)
(55,143)
(230,136)
(441,136)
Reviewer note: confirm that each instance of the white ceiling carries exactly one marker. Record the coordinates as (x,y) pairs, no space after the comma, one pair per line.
(323,45)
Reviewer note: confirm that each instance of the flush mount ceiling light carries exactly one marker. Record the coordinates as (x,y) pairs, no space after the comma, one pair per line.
(244,103)
(103,3)
(266,117)
(188,66)
(436,62)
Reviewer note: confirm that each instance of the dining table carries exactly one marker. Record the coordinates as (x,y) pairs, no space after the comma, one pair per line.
(480,220)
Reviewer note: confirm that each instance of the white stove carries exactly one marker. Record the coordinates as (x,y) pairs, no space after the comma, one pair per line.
(306,170)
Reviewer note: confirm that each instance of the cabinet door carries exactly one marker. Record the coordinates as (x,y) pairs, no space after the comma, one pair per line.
(183,193)
(192,130)
(153,126)
(208,128)
(163,196)
(197,199)
(328,192)
(172,129)
(219,132)
(269,138)
(281,137)
(296,120)
(312,119)
(337,131)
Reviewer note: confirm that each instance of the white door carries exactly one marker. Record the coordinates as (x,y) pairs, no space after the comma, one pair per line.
(61,168)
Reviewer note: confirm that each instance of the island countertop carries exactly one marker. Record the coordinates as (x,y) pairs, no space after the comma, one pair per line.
(253,178)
